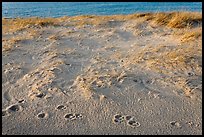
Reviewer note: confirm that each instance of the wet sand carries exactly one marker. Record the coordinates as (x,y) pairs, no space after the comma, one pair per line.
(137,74)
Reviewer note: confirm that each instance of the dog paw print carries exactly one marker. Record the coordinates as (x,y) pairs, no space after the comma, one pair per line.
(11,109)
(61,107)
(14,108)
(128,117)
(117,119)
(42,115)
(79,116)
(21,101)
(176,124)
(71,116)
(133,123)
(40,95)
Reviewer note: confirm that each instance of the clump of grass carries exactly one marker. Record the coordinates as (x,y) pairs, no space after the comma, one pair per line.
(173,62)
(178,19)
(12,25)
(185,19)
(172,20)
(7,48)
(191,35)
(9,44)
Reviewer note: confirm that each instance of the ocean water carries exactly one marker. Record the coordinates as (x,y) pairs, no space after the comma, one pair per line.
(58,9)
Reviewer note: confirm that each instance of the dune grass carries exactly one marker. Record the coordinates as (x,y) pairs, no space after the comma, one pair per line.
(191,35)
(174,62)
(172,20)
(12,25)
(178,19)
(162,59)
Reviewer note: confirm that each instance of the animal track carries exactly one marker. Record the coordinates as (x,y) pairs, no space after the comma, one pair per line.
(61,107)
(133,123)
(150,85)
(71,116)
(175,123)
(14,108)
(21,101)
(42,115)
(146,82)
(40,95)
(137,80)
(79,116)
(11,109)
(127,117)
(117,119)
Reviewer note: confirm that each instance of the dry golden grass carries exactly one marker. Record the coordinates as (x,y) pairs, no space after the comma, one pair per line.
(178,19)
(7,48)
(173,20)
(192,35)
(9,44)
(171,61)
(12,25)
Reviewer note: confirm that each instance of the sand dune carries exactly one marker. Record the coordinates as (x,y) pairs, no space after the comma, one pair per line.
(120,74)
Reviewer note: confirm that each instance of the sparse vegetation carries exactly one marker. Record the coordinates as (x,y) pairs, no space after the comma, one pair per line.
(178,19)
(172,20)
(167,60)
(192,35)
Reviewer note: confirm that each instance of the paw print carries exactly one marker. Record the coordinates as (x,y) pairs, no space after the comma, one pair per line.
(117,119)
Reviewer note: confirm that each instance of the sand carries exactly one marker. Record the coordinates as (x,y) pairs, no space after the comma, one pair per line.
(137,74)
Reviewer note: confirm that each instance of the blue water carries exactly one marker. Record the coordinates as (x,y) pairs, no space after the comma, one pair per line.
(58,9)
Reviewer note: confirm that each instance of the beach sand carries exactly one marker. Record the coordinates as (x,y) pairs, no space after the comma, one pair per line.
(137,74)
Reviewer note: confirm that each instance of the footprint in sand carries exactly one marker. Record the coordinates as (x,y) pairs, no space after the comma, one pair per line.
(11,109)
(176,124)
(117,119)
(147,83)
(79,116)
(42,115)
(21,101)
(142,80)
(71,116)
(137,80)
(35,95)
(127,117)
(61,107)
(14,108)
(133,123)
(40,95)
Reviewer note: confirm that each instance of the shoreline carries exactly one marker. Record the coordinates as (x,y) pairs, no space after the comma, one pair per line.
(95,15)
